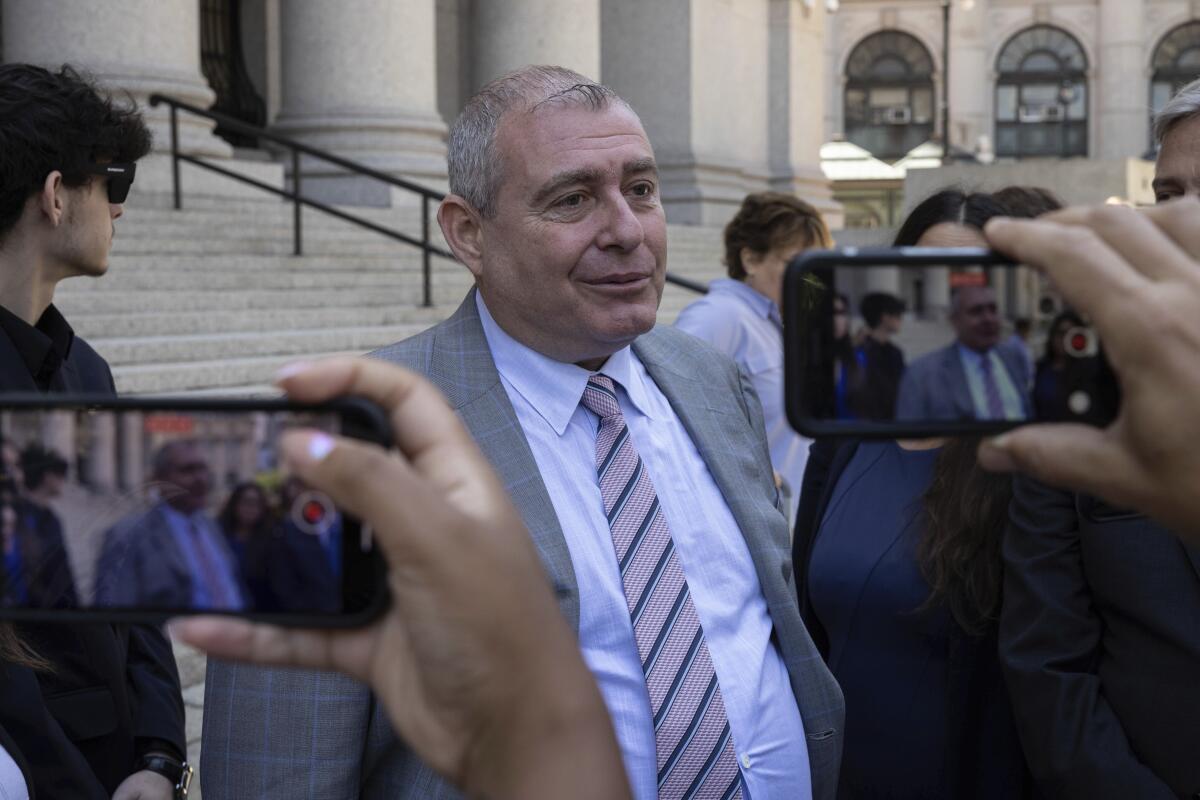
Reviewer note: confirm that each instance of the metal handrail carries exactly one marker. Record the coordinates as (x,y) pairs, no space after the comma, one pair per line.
(426,194)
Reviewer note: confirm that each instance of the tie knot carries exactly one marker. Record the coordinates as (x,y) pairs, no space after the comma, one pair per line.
(600,397)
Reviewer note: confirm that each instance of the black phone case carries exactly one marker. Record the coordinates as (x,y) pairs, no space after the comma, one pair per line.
(361,419)
(805,352)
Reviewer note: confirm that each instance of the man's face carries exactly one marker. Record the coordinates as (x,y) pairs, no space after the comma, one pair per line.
(891,323)
(86,235)
(976,318)
(574,260)
(10,464)
(1177,171)
(187,477)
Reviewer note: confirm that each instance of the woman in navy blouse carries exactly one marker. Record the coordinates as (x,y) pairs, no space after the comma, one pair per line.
(898,565)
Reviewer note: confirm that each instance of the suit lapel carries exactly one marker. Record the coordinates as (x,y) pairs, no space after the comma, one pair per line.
(955,377)
(463,367)
(706,426)
(1193,554)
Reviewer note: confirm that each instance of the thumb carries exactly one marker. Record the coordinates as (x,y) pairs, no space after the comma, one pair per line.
(1071,456)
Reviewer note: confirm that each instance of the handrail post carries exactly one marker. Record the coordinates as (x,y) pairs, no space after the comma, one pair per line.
(175,158)
(297,247)
(426,256)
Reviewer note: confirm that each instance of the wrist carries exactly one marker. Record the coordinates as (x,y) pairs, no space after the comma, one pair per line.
(176,771)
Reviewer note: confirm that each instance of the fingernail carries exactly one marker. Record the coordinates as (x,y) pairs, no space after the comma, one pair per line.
(291,370)
(319,445)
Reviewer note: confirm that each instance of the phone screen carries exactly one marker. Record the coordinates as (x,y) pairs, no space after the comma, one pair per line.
(895,342)
(167,510)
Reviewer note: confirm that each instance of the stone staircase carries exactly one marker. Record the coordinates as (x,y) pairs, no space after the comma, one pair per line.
(209,300)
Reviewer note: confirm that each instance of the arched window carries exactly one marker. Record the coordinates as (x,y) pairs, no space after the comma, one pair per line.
(1042,95)
(1176,64)
(889,94)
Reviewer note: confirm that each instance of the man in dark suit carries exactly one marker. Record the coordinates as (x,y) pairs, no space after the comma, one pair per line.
(107,720)
(975,377)
(555,366)
(1100,630)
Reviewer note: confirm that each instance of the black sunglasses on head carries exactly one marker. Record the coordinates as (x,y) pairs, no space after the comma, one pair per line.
(120,178)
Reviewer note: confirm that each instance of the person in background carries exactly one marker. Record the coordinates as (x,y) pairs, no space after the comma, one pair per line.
(881,362)
(897,554)
(846,373)
(740,315)
(283,568)
(105,722)
(1100,631)
(45,474)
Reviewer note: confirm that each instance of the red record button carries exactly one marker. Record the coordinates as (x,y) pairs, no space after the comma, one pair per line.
(1079,342)
(313,512)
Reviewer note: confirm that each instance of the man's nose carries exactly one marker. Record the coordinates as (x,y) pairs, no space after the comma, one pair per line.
(622,229)
(116,210)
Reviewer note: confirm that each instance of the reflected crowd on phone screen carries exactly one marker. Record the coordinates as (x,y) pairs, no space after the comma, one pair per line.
(267,543)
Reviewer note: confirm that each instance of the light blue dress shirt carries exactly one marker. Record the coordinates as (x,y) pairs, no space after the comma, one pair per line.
(972,363)
(768,733)
(209,538)
(746,326)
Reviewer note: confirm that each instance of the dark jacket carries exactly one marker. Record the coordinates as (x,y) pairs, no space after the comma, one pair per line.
(114,691)
(985,760)
(1100,643)
(43,559)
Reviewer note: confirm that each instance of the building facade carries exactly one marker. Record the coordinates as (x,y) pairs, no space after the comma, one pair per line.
(1027,79)
(731,92)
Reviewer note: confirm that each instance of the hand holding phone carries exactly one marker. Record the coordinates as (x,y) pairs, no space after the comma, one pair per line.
(473,661)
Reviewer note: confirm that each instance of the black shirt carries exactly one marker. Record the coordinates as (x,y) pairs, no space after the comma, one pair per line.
(49,357)
(114,691)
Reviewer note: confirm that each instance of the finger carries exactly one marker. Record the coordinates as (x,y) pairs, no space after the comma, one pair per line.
(268,645)
(1090,275)
(1078,457)
(425,428)
(1180,220)
(1134,235)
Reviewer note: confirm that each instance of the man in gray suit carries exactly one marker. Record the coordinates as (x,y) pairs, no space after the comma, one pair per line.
(637,458)
(976,377)
(170,555)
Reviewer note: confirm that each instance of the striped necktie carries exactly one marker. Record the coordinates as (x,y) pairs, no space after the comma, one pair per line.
(691,731)
(991,389)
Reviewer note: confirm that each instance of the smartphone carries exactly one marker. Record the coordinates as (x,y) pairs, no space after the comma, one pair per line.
(143,509)
(913,342)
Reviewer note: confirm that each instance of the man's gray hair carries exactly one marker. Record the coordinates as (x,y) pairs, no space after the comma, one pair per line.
(1183,106)
(474,163)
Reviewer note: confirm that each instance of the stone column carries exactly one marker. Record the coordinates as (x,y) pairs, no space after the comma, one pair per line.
(133,452)
(101,461)
(970,96)
(696,71)
(362,84)
(796,100)
(937,293)
(507,34)
(1122,91)
(135,46)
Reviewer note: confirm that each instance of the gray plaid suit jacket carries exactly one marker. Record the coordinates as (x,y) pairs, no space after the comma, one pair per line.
(291,734)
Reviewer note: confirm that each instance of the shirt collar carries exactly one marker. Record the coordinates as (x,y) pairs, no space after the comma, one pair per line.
(554,388)
(762,305)
(972,356)
(43,346)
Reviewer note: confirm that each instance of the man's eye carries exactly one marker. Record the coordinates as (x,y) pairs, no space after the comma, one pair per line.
(643,189)
(571,201)
(1163,197)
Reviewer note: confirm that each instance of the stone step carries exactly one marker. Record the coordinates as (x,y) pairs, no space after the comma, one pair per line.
(215,374)
(211,347)
(192,262)
(183,323)
(379,245)
(127,280)
(78,305)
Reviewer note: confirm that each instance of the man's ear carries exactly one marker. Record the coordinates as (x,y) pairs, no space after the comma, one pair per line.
(750,260)
(51,199)
(462,227)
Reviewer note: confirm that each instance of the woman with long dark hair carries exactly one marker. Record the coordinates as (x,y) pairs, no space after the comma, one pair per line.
(897,555)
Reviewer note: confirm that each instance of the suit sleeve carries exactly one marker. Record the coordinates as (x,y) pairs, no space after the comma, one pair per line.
(1050,642)
(754,415)
(278,734)
(154,683)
